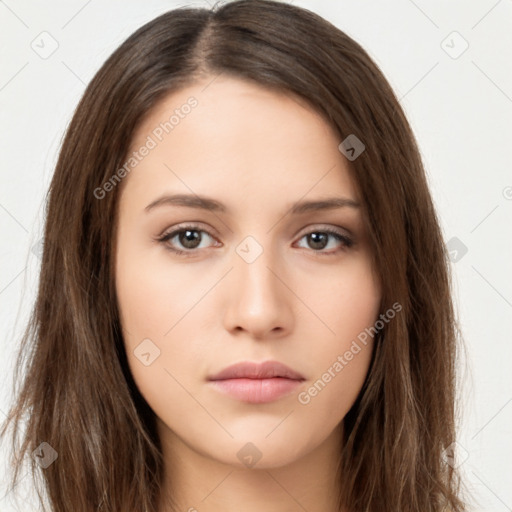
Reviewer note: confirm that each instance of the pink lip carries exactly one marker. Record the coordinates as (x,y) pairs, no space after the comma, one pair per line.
(257,382)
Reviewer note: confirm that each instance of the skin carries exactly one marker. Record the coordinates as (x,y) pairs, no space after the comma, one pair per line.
(257,152)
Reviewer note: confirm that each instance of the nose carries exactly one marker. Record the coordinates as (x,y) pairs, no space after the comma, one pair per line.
(259,301)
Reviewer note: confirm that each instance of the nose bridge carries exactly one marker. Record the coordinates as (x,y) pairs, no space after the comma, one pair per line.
(254,259)
(258,302)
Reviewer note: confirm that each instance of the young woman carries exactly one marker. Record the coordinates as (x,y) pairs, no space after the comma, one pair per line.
(244,299)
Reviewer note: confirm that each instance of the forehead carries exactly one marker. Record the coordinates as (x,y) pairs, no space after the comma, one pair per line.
(227,132)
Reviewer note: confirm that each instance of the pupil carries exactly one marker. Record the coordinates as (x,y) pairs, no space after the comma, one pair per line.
(188,239)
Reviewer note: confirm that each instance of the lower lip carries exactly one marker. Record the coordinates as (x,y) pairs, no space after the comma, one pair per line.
(256,391)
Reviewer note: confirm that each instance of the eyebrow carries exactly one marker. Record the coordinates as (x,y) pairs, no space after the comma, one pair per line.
(209,204)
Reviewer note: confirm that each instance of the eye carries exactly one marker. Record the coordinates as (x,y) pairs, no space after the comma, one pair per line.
(320,239)
(188,238)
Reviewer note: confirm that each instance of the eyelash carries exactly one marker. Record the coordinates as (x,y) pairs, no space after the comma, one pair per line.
(165,237)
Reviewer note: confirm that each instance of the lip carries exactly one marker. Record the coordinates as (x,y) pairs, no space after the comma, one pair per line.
(256,382)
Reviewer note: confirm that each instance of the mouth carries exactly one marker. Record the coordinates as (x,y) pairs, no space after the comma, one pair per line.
(256,383)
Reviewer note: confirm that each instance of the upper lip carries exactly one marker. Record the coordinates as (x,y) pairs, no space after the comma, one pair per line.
(250,370)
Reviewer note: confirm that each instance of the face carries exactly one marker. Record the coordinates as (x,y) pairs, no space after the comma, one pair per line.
(247,266)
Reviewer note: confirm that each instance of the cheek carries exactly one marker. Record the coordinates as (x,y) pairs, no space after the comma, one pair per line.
(348,307)
(153,295)
(153,309)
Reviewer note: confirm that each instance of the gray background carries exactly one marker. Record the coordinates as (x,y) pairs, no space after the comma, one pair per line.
(458,101)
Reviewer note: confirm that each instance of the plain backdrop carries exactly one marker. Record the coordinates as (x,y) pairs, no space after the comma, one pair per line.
(449,63)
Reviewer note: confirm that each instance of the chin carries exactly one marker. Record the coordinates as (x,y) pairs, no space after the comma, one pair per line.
(254,451)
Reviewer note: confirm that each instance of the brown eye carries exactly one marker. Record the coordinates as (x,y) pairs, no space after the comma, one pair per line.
(190,239)
(185,239)
(318,240)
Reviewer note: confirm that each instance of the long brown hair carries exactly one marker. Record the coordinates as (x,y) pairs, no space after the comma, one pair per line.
(72,383)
